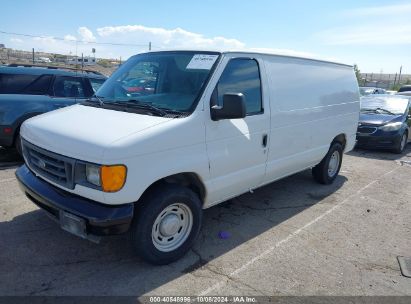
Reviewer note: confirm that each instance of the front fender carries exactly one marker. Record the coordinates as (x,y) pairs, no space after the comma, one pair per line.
(147,169)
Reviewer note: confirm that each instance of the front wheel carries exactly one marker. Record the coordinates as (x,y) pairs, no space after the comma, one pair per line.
(327,170)
(166,224)
(17,144)
(401,144)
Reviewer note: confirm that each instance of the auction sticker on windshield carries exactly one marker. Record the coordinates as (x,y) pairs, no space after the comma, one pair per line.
(202,62)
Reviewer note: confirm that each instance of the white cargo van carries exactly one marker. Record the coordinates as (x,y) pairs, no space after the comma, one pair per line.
(172,133)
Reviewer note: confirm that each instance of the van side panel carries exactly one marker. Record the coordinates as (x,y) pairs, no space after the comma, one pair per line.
(311,103)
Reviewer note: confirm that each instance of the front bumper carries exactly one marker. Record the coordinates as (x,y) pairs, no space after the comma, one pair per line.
(378,141)
(98,219)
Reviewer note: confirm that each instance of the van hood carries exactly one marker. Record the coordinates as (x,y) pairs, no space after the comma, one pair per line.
(84,132)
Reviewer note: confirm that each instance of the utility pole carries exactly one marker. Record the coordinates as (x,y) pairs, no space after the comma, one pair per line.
(399,76)
(82,62)
(32,54)
(149,46)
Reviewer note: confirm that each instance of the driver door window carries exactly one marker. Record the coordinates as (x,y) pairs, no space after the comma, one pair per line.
(242,75)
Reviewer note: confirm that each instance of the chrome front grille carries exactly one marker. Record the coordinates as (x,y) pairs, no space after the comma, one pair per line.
(49,165)
(366,130)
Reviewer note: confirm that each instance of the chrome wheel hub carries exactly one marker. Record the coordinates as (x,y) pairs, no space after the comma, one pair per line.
(169,225)
(403,141)
(333,164)
(172,227)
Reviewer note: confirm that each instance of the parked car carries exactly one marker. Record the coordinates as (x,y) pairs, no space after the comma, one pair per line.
(140,86)
(27,91)
(364,91)
(43,60)
(405,90)
(384,123)
(390,92)
(218,124)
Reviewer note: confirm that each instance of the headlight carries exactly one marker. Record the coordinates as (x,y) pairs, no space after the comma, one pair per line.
(109,178)
(391,126)
(93,174)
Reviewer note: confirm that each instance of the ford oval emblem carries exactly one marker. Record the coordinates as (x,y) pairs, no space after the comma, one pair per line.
(42,164)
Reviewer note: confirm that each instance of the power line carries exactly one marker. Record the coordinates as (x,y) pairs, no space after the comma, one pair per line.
(73,41)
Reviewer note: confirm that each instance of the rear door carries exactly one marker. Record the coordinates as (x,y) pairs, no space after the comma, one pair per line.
(237,148)
(67,90)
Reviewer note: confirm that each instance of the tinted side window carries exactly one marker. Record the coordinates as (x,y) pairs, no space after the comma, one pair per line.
(242,76)
(405,89)
(39,86)
(15,83)
(68,87)
(96,83)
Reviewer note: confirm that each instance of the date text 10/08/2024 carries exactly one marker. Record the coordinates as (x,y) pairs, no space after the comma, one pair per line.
(202,299)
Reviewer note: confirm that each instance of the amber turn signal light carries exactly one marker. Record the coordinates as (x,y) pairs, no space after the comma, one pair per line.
(113,178)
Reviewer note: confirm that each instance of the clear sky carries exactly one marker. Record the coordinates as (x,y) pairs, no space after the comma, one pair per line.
(375,34)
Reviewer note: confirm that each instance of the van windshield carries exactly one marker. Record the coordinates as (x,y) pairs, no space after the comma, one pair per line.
(169,81)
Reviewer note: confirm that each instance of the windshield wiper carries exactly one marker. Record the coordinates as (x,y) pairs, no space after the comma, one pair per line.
(378,110)
(386,111)
(370,110)
(136,104)
(98,98)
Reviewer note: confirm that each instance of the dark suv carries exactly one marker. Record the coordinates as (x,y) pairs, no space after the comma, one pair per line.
(405,90)
(27,91)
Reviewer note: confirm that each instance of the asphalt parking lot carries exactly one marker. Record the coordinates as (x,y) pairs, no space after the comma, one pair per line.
(293,237)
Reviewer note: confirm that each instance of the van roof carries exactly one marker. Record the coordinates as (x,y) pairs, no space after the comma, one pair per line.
(269,52)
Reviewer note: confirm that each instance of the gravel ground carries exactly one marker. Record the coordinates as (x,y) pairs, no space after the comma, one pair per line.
(293,237)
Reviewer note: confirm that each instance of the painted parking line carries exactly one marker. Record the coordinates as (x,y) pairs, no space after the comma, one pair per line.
(239,270)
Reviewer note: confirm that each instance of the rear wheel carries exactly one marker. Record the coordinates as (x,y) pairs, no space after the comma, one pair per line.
(166,224)
(327,170)
(402,143)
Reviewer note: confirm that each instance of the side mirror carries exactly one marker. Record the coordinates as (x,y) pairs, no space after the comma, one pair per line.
(233,107)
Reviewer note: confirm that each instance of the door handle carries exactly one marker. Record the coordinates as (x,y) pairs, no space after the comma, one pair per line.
(265,140)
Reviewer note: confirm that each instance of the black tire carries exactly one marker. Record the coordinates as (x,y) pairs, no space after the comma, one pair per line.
(17,144)
(400,146)
(151,206)
(321,173)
